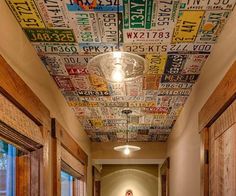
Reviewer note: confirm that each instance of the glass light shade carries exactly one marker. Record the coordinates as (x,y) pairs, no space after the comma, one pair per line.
(118,66)
(127,149)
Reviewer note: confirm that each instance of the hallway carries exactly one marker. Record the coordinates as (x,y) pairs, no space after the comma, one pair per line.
(117,98)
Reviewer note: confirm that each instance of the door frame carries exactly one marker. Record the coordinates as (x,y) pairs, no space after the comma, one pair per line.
(220,99)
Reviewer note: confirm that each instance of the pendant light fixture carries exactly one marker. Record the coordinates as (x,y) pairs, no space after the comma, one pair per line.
(118,66)
(127,149)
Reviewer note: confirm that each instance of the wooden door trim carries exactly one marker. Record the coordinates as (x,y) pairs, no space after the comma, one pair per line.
(217,103)
(14,89)
(220,99)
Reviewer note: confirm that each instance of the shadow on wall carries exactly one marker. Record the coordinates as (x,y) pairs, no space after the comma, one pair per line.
(141,183)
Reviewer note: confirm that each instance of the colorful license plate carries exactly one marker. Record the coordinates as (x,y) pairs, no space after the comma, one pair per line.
(73,60)
(188,78)
(26,13)
(86,27)
(108,23)
(50,35)
(142,36)
(190,48)
(94,5)
(138,14)
(174,92)
(212,25)
(93,49)
(151,82)
(175,63)
(53,64)
(167,11)
(54,13)
(143,49)
(207,4)
(48,48)
(187,26)
(155,63)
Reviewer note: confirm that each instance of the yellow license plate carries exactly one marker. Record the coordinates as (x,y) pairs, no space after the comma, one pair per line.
(26,13)
(187,26)
(155,63)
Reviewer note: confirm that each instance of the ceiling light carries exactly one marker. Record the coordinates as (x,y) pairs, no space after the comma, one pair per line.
(118,66)
(127,149)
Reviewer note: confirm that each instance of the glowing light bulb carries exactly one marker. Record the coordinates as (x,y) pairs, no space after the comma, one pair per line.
(127,151)
(118,74)
(117,54)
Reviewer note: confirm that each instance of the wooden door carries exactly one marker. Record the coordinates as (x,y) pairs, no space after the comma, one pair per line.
(222,149)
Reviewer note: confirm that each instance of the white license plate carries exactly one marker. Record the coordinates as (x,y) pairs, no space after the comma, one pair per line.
(53,13)
(143,49)
(48,48)
(93,49)
(143,36)
(190,48)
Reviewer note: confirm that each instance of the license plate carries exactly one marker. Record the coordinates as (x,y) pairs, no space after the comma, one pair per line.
(177,85)
(86,27)
(166,14)
(194,63)
(82,104)
(141,104)
(53,64)
(93,49)
(151,82)
(188,78)
(48,48)
(175,63)
(143,49)
(155,63)
(207,4)
(77,70)
(50,35)
(80,82)
(26,13)
(93,93)
(117,89)
(143,36)
(138,14)
(73,60)
(174,92)
(187,26)
(193,4)
(212,25)
(220,4)
(108,23)
(94,5)
(190,48)
(54,13)
(64,83)
(156,110)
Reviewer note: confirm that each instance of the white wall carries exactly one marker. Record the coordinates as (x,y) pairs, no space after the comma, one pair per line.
(184,141)
(20,55)
(142,180)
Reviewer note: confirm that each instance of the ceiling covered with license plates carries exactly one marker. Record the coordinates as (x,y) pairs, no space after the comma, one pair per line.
(174,36)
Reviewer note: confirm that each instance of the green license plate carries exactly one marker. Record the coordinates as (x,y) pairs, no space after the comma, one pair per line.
(50,35)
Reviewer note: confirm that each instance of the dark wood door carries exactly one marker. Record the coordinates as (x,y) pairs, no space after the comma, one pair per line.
(222,149)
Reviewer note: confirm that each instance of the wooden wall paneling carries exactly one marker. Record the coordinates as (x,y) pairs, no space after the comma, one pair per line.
(204,157)
(70,144)
(219,100)
(56,162)
(23,175)
(74,163)
(35,173)
(16,90)
(223,151)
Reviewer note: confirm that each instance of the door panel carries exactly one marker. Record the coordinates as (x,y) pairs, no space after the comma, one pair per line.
(223,154)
